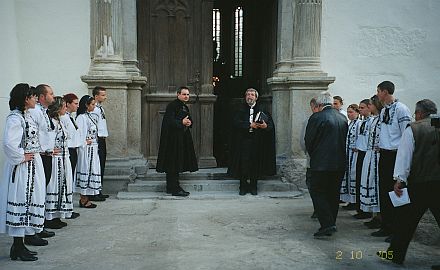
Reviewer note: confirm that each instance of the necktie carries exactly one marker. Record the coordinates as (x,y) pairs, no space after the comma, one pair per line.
(102,111)
(363,126)
(73,122)
(52,126)
(386,116)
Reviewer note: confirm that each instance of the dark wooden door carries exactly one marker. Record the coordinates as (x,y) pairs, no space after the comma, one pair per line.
(175,49)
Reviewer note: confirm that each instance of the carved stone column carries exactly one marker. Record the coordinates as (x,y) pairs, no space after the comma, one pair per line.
(307,37)
(114,66)
(298,76)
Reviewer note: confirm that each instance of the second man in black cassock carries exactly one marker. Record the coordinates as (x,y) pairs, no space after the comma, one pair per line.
(252,144)
(176,148)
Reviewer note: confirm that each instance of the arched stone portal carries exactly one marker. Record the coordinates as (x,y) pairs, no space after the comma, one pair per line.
(143,50)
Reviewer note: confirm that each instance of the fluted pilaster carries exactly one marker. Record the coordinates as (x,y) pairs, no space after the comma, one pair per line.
(113,65)
(307,36)
(298,75)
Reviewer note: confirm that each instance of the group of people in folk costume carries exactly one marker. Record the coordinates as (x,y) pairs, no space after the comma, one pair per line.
(375,127)
(48,153)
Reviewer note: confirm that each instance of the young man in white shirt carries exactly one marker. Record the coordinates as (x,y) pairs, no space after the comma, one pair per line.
(394,117)
(100,95)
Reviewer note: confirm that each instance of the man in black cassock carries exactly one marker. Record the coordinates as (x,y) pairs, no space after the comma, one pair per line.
(252,144)
(176,149)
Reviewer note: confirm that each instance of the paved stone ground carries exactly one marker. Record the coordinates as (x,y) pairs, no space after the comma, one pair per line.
(227,234)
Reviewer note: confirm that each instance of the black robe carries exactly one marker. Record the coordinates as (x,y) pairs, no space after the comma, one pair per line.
(176,149)
(252,154)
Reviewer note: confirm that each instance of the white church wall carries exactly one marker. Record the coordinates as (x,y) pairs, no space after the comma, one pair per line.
(43,42)
(366,42)
(9,55)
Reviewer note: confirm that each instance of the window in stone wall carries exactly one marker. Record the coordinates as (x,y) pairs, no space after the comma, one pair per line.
(216,32)
(238,42)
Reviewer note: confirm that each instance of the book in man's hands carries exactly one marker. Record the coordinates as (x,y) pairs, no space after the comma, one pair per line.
(260,117)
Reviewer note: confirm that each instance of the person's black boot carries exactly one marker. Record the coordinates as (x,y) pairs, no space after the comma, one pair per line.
(18,250)
(253,187)
(46,234)
(243,187)
(35,240)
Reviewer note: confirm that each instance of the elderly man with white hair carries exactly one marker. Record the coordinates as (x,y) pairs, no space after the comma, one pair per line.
(325,140)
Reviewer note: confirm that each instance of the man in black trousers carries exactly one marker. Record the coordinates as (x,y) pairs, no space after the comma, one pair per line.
(394,117)
(417,167)
(325,140)
(100,95)
(176,148)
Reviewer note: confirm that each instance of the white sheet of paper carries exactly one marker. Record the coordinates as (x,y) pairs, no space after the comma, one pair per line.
(399,201)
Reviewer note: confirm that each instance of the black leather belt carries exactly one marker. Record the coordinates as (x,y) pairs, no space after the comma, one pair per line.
(388,151)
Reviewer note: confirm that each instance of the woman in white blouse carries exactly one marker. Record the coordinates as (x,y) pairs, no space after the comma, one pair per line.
(88,169)
(23,185)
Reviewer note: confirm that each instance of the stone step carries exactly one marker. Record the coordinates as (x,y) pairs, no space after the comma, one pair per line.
(224,195)
(202,174)
(218,185)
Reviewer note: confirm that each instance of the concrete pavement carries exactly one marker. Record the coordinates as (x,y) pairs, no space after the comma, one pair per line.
(223,232)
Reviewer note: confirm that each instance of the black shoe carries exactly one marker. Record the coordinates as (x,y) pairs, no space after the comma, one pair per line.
(105,196)
(254,192)
(242,193)
(435,267)
(62,223)
(349,206)
(314,215)
(329,231)
(21,252)
(96,198)
(389,256)
(389,239)
(180,193)
(74,215)
(381,233)
(46,234)
(181,189)
(35,240)
(53,224)
(362,215)
(373,224)
(30,252)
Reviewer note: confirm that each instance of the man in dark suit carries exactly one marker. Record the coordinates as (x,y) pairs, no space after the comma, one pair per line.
(325,139)
(176,148)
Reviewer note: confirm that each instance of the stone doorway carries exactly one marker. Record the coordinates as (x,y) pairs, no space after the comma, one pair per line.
(244,45)
(175,47)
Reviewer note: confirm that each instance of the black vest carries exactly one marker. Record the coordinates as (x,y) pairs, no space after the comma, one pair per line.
(425,166)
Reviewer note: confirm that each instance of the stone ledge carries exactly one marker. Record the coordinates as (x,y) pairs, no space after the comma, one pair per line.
(207,196)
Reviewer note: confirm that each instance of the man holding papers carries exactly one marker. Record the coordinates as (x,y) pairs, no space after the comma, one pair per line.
(418,169)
